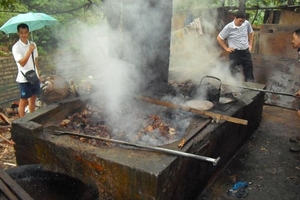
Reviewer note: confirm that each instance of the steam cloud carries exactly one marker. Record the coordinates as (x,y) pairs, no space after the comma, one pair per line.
(117,76)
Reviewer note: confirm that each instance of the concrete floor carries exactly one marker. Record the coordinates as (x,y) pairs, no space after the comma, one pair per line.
(265,162)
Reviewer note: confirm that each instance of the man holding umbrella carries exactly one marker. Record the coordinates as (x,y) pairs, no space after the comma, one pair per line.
(25,54)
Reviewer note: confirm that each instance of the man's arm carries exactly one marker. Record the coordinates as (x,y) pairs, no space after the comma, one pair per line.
(250,40)
(224,45)
(25,59)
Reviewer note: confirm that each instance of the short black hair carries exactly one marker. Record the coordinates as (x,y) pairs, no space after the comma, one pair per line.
(297,32)
(22,26)
(240,14)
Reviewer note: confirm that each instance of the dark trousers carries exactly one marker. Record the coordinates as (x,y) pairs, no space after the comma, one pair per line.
(242,57)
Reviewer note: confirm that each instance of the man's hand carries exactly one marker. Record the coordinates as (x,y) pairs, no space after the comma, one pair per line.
(250,47)
(229,50)
(31,47)
(297,94)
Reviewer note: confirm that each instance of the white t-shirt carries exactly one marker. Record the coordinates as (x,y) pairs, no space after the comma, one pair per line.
(19,50)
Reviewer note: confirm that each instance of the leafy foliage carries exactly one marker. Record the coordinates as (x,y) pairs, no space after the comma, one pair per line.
(256,16)
(66,12)
(8,4)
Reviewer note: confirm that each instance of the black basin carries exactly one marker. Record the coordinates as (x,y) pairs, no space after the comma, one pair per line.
(40,183)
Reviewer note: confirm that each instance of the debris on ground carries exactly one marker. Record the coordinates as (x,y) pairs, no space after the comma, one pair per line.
(239,190)
(273,174)
(7,152)
(54,88)
(295,147)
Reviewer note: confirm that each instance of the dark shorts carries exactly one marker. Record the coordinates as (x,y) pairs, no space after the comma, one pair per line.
(27,90)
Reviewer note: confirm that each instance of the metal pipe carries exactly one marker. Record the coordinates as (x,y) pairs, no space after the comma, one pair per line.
(261,90)
(10,100)
(169,151)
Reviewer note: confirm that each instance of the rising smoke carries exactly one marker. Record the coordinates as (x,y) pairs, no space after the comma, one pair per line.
(111,59)
(199,55)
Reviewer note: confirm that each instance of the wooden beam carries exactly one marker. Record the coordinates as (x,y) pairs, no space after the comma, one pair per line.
(6,191)
(10,188)
(199,112)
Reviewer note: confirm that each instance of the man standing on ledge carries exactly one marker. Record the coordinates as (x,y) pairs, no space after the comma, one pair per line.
(25,54)
(239,35)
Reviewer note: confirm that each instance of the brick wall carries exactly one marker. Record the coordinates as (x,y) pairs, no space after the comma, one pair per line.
(8,86)
(8,71)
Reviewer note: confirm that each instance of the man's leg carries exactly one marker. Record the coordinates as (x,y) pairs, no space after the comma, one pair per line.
(35,88)
(25,93)
(234,62)
(22,105)
(31,103)
(248,66)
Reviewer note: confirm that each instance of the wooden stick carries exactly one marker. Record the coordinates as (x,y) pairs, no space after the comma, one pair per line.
(2,145)
(10,142)
(10,164)
(5,119)
(5,150)
(12,188)
(196,111)
(6,191)
(190,136)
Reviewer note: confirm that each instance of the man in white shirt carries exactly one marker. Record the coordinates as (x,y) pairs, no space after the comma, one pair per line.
(25,54)
(239,35)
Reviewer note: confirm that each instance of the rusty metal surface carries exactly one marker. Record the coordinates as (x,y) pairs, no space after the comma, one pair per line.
(279,75)
(275,40)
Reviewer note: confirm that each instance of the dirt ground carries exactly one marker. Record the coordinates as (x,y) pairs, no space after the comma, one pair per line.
(264,162)
(7,152)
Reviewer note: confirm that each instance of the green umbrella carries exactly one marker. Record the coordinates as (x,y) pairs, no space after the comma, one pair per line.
(34,21)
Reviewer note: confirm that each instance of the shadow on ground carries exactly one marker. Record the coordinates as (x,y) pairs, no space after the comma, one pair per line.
(265,162)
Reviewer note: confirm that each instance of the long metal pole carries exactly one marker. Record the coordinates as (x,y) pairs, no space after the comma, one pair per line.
(260,90)
(174,152)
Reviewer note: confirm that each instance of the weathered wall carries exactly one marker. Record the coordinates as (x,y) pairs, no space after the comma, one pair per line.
(8,71)
(150,43)
(8,86)
(276,62)
(291,17)
(275,40)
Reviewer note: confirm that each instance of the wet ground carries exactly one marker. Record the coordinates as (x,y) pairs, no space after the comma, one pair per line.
(264,162)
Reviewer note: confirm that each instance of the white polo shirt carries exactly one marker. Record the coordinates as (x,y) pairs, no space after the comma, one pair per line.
(237,36)
(19,50)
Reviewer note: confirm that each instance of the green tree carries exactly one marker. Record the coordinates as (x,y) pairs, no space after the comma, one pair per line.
(8,4)
(66,12)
